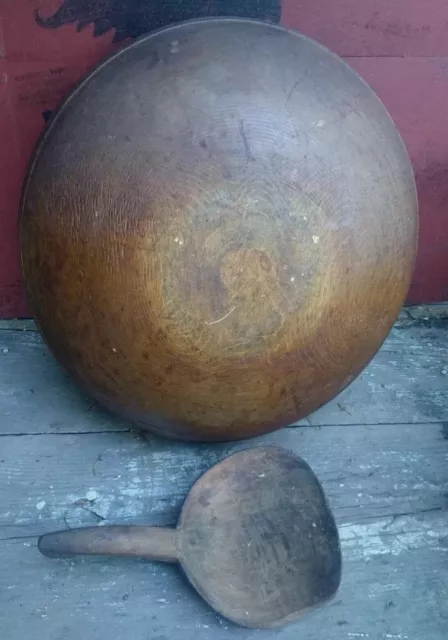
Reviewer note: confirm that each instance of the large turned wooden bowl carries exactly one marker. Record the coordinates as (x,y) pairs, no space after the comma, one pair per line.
(218,229)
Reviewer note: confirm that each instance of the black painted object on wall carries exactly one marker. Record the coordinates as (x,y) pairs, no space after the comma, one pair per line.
(132,18)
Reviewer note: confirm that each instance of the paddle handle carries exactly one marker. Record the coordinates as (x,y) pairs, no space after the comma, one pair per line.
(155,543)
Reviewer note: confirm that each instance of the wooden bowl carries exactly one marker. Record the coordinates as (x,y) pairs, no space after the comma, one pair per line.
(218,229)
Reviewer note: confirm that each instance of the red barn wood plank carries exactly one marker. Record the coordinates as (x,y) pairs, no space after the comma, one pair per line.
(11,161)
(38,68)
(25,41)
(373,27)
(415,90)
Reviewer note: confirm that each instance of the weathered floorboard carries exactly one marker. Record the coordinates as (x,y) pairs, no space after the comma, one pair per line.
(382,458)
(367,471)
(394,587)
(406,382)
(387,485)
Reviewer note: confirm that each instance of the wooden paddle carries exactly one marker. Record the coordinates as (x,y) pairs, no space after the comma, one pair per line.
(255,537)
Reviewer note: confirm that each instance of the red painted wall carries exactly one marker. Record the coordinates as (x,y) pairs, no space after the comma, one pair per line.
(399,46)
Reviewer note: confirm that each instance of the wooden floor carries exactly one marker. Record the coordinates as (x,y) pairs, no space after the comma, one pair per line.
(380,450)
